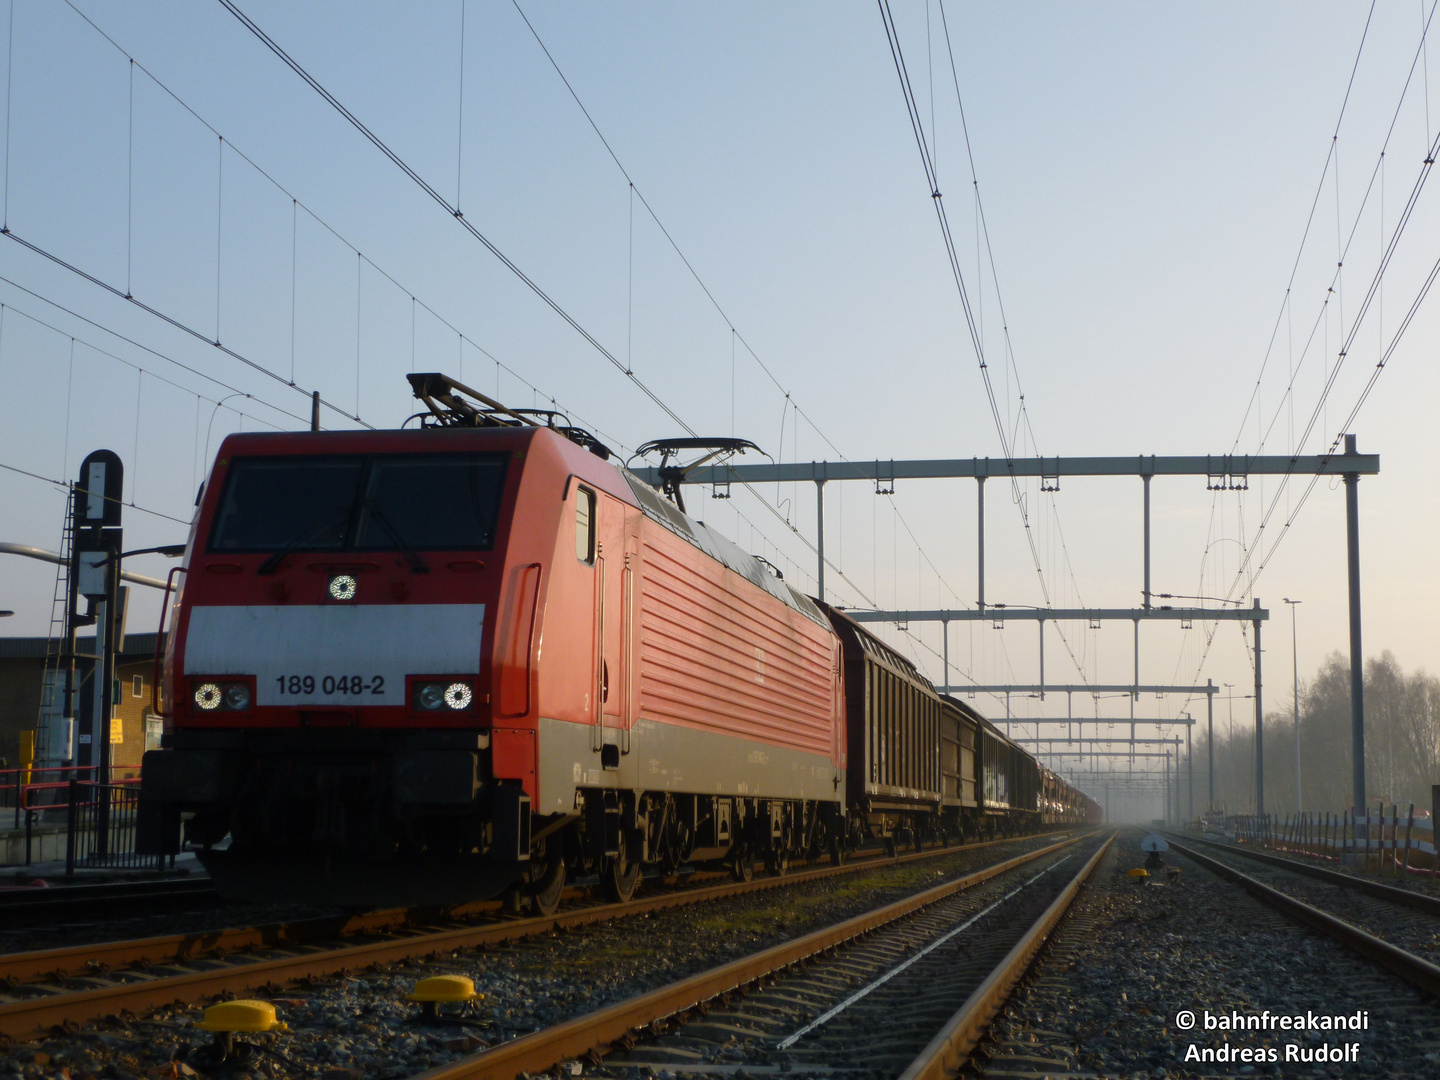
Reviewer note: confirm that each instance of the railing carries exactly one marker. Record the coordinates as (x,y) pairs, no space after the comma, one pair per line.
(101,820)
(104,822)
(1390,840)
(24,790)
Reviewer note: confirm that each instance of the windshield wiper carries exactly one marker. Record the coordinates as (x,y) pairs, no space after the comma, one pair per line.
(270,565)
(417,564)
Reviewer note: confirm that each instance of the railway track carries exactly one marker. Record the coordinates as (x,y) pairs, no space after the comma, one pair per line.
(918,978)
(30,906)
(1412,898)
(1148,976)
(1394,934)
(73,985)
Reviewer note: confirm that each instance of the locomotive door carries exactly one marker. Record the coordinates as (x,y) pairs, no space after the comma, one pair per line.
(612,609)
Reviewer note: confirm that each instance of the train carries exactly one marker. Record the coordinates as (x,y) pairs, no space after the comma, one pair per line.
(474,657)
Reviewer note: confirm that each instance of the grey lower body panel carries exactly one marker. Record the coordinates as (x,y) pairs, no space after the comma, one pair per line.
(667,757)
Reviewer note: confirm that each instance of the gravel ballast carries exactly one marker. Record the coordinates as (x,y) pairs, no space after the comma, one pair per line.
(1107,998)
(362,1026)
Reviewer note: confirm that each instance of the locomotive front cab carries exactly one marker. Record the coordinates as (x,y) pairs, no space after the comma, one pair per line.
(332,673)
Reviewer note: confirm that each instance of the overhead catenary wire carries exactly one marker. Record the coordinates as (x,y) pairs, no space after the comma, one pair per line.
(296,205)
(984,227)
(635,193)
(405,168)
(147,371)
(1248,564)
(1347,345)
(61,485)
(131,341)
(1309,221)
(1376,175)
(937,201)
(177,323)
(424,185)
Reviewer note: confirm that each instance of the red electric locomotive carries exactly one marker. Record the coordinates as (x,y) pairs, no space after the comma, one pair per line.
(434,664)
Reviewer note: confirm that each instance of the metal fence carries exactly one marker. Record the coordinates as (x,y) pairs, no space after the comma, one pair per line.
(103,825)
(1388,840)
(101,821)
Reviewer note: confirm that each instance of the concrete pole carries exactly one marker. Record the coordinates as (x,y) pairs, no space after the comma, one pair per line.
(1295,684)
(1179,803)
(1210,742)
(1146,481)
(980,518)
(1190,769)
(945,629)
(1259,729)
(1042,659)
(1135,695)
(1357,655)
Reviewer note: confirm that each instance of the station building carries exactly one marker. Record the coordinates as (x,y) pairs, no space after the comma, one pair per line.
(134,727)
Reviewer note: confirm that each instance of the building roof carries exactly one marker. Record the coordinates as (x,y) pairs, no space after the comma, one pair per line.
(137,647)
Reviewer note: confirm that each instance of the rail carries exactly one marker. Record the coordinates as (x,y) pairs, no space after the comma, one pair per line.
(1407,965)
(952,1045)
(596,1032)
(1405,897)
(21,1019)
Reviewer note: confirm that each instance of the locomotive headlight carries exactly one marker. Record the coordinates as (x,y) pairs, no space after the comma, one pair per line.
(454,695)
(458,695)
(221,695)
(342,587)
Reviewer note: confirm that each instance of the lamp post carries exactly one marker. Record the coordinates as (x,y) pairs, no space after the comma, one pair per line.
(1295,675)
(1230,724)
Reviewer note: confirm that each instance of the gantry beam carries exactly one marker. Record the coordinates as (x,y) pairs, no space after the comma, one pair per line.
(1181,721)
(1042,740)
(1001,613)
(1077,688)
(1222,470)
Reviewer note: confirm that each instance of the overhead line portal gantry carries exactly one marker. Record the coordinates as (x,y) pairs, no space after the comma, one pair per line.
(1222,472)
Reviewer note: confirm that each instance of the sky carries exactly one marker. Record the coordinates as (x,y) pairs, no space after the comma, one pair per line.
(1186,210)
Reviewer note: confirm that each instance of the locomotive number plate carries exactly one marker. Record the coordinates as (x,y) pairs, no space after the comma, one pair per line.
(353,655)
(329,685)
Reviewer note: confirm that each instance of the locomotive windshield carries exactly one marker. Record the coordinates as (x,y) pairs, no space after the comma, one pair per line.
(396,502)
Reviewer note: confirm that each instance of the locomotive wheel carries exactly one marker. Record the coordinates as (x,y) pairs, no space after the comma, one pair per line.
(546,889)
(777,863)
(620,878)
(744,868)
(837,851)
